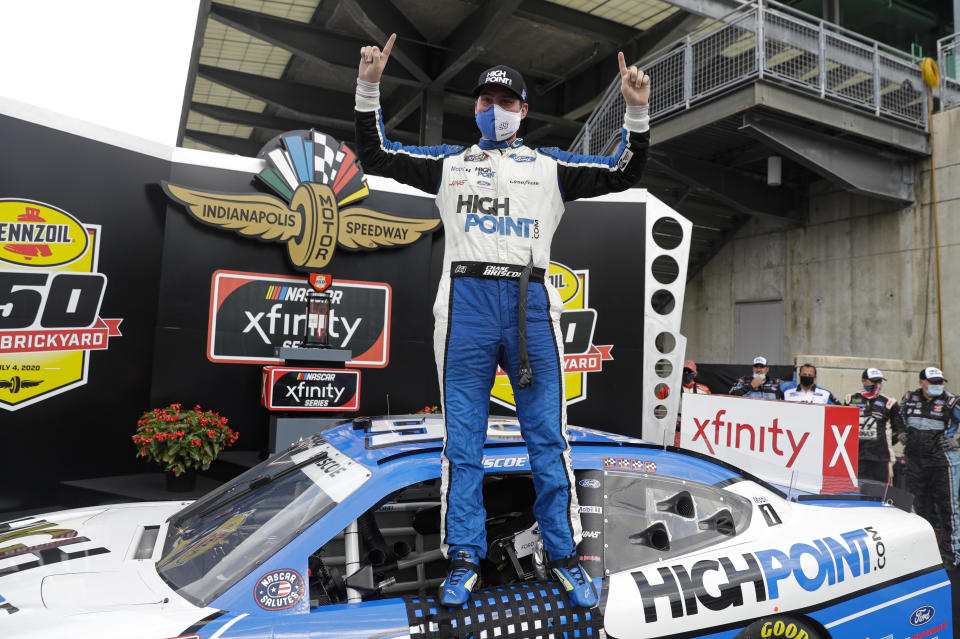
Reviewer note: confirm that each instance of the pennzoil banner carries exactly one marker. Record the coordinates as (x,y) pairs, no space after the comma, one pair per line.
(50,298)
(577,323)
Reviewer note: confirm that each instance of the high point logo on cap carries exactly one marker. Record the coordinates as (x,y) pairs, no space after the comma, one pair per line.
(39,235)
(315,176)
(499,76)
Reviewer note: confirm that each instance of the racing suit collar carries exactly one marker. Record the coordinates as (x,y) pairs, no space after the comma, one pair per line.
(487,145)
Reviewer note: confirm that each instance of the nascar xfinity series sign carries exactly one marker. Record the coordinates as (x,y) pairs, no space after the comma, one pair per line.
(313,389)
(577,323)
(50,297)
(251,314)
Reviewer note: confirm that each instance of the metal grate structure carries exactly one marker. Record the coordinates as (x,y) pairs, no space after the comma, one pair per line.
(948,59)
(765,40)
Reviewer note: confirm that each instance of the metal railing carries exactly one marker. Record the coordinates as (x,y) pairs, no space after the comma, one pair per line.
(948,59)
(769,41)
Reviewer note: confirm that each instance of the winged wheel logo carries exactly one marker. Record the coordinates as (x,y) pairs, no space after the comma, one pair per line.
(318,182)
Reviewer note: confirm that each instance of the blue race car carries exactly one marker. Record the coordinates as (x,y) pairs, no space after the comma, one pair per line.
(338,536)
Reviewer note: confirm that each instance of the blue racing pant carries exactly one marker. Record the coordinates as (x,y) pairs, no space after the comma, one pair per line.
(476,331)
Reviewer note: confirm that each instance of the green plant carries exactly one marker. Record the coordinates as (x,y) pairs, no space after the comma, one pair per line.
(180,439)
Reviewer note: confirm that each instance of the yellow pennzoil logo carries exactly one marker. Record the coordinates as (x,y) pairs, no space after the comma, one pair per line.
(318,182)
(50,297)
(39,235)
(577,322)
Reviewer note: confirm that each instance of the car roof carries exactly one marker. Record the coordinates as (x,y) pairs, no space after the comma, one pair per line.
(371,440)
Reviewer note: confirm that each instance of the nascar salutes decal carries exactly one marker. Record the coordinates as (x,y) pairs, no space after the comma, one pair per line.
(279,590)
(50,298)
(253,313)
(577,322)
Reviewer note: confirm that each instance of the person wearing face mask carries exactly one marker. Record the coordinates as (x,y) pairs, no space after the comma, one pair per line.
(500,202)
(931,416)
(880,425)
(759,385)
(807,391)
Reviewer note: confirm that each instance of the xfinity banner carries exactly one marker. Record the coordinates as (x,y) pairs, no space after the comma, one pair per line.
(808,446)
(253,313)
(317,389)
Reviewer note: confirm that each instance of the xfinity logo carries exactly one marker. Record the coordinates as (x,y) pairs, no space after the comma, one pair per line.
(304,391)
(746,435)
(761,573)
(273,322)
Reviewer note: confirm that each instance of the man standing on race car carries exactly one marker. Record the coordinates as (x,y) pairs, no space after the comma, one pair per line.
(759,386)
(931,416)
(500,203)
(880,424)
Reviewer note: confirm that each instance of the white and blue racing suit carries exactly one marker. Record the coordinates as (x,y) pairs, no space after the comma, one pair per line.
(500,205)
(793,392)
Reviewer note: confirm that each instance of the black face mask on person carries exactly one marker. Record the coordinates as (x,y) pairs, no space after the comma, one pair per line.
(806,380)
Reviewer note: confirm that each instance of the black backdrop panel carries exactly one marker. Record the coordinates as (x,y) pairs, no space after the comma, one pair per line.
(86,431)
(608,239)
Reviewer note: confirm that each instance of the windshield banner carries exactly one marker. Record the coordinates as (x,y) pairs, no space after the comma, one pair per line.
(807,446)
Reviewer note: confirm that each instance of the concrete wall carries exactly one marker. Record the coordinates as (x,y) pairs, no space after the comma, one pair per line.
(858,279)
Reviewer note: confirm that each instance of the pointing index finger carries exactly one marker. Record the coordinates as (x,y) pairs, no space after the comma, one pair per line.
(388,47)
(623,63)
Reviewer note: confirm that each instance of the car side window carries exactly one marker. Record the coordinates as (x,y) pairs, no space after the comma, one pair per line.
(399,543)
(648,519)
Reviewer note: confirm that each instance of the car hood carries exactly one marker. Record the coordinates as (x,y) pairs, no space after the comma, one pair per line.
(65,565)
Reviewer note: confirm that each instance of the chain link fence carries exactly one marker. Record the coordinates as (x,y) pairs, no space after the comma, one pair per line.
(948,59)
(797,49)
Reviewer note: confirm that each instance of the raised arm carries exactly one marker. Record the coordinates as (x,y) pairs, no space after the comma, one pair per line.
(418,166)
(592,175)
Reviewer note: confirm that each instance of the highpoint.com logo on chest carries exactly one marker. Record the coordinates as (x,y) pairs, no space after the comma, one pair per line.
(496,217)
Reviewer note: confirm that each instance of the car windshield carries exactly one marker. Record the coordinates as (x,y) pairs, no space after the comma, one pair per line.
(215,541)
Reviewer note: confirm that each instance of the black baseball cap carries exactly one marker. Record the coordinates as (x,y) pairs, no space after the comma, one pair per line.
(504,76)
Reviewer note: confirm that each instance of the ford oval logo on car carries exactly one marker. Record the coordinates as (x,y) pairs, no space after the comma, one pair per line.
(922,615)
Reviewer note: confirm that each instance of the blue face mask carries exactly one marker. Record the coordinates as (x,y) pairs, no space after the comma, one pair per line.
(687,378)
(496,123)
(935,390)
(869,387)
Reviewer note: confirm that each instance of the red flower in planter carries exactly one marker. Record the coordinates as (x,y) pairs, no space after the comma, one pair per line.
(182,439)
